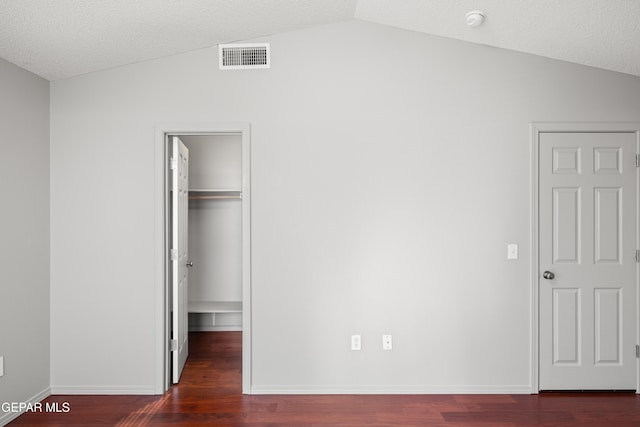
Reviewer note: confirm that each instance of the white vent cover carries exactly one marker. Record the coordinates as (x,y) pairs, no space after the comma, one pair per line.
(244,56)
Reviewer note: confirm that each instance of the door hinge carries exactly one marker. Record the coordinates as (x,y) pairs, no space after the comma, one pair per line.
(173,344)
(173,163)
(174,254)
(637,255)
(637,160)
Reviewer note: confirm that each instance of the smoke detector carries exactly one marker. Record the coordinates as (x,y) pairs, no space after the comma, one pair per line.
(474,18)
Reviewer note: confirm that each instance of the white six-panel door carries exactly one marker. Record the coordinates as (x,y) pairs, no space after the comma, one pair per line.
(179,256)
(587,248)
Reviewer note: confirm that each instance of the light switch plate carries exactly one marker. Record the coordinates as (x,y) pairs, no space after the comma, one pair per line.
(512,251)
(356,342)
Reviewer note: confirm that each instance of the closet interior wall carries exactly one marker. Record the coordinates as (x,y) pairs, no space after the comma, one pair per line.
(215,232)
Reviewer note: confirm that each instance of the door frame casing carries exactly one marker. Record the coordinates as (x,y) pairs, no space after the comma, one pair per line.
(161,263)
(536,129)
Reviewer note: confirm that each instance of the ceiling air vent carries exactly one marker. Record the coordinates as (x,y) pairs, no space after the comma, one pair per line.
(244,56)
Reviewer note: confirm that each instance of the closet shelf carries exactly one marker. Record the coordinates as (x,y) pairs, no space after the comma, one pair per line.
(207,194)
(215,307)
(214,190)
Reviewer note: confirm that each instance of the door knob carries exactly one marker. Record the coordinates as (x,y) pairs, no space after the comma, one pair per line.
(190,264)
(548,275)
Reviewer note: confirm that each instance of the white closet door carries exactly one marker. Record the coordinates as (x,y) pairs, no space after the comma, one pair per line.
(588,320)
(179,256)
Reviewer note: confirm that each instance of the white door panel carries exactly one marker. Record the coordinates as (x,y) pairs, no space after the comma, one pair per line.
(180,255)
(587,240)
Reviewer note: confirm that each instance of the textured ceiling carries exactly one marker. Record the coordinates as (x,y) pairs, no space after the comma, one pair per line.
(62,38)
(599,33)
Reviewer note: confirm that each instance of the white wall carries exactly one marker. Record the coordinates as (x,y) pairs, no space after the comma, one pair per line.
(389,171)
(216,162)
(24,227)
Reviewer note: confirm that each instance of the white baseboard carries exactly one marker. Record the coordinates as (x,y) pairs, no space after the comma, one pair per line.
(103,390)
(391,389)
(7,417)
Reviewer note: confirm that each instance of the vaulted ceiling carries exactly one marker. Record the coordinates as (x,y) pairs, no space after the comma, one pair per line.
(57,39)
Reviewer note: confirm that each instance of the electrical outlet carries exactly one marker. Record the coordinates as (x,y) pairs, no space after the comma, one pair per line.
(1,366)
(387,343)
(356,342)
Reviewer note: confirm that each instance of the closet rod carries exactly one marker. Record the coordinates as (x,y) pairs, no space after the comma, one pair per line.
(213,197)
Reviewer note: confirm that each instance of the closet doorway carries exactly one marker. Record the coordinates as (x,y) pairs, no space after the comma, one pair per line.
(217,228)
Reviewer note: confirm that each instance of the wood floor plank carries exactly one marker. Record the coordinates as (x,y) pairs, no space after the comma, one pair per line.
(210,394)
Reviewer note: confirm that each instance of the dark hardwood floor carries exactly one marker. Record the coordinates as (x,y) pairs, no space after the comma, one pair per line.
(209,394)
